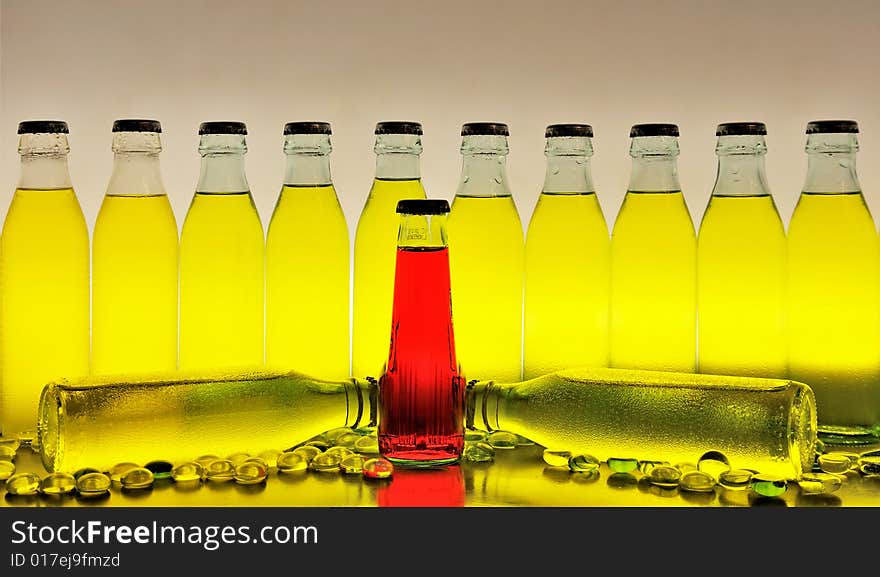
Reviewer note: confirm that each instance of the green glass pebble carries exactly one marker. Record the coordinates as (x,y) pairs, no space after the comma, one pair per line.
(84,471)
(326,463)
(270,457)
(238,458)
(347,440)
(251,472)
(714,463)
(479,453)
(367,445)
(834,463)
(871,453)
(622,465)
(810,483)
(7,453)
(10,442)
(523,441)
(292,462)
(502,440)
(160,469)
(7,469)
(378,468)
(318,444)
(475,435)
(138,478)
(735,479)
(556,458)
(352,465)
(332,436)
(206,460)
(870,465)
(645,467)
(307,452)
(220,470)
(696,482)
(23,484)
(769,485)
(582,463)
(684,467)
(58,484)
(664,476)
(343,452)
(188,472)
(119,469)
(93,484)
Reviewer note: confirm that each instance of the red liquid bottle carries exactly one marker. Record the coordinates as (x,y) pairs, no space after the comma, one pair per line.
(421,393)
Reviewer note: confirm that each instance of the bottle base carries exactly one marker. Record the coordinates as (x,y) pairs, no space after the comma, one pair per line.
(420,460)
(848,435)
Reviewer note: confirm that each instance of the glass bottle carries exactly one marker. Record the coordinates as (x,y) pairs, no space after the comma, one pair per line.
(135,260)
(567,261)
(398,146)
(221,259)
(44,277)
(307,262)
(834,288)
(486,258)
(653,261)
(741,263)
(421,393)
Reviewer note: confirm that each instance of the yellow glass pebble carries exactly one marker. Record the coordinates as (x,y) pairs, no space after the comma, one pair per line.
(714,463)
(735,479)
(84,471)
(238,458)
(251,472)
(7,453)
(809,483)
(58,484)
(10,442)
(352,465)
(319,444)
(188,472)
(137,478)
(206,460)
(307,452)
(684,467)
(220,470)
(23,484)
(697,482)
(93,484)
(556,458)
(367,445)
(834,463)
(347,440)
(326,463)
(583,463)
(502,440)
(119,469)
(292,462)
(343,452)
(645,467)
(869,465)
(333,435)
(7,469)
(378,468)
(664,476)
(478,452)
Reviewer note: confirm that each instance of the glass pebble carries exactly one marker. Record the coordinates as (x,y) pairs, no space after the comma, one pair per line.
(820,446)
(622,465)
(332,436)
(23,484)
(871,453)
(502,440)
(251,472)
(187,472)
(735,479)
(220,470)
(206,460)
(326,463)
(318,444)
(10,442)
(684,467)
(137,478)
(7,469)
(238,458)
(809,483)
(367,445)
(352,465)
(292,462)
(7,453)
(696,481)
(645,467)
(769,485)
(870,465)
(347,440)
(664,476)
(258,460)
(119,469)
(556,458)
(341,451)
(270,457)
(523,441)
(84,471)
(834,462)
(714,463)
(160,469)
(475,435)
(582,463)
(378,468)
(58,484)
(479,453)
(308,452)
(93,484)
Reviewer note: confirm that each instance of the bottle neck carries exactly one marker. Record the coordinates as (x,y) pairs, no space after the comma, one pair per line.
(44,161)
(831,164)
(308,160)
(568,171)
(654,164)
(422,232)
(397,166)
(135,174)
(222,170)
(741,166)
(483,166)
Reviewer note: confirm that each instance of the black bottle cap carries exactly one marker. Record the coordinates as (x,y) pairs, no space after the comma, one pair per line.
(484,129)
(136,125)
(832,126)
(43,127)
(555,130)
(741,129)
(398,127)
(653,130)
(422,206)
(307,128)
(223,127)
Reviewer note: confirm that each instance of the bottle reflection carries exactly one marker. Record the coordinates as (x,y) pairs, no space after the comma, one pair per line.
(435,487)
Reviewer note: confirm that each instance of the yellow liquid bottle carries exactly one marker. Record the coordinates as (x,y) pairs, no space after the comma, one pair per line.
(398,146)
(653,261)
(221,260)
(486,260)
(307,262)
(134,260)
(834,288)
(741,264)
(567,262)
(44,278)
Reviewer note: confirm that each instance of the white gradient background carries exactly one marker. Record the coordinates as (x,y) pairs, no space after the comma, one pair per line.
(611,63)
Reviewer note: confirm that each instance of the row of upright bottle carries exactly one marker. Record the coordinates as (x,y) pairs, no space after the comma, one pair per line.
(738,300)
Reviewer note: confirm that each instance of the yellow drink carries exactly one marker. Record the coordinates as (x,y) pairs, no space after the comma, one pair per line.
(307,283)
(567,285)
(834,307)
(44,311)
(653,283)
(375,251)
(134,285)
(221,282)
(741,288)
(486,264)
